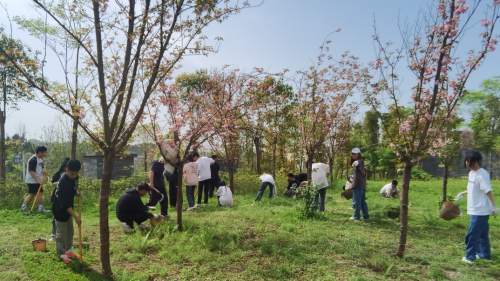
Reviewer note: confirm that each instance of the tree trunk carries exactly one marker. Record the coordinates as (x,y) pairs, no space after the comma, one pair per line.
(146,148)
(179,195)
(403,229)
(445,180)
(256,141)
(2,146)
(330,163)
(107,169)
(74,139)
(275,140)
(309,166)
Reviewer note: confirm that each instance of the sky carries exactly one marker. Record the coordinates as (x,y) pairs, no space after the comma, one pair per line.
(277,35)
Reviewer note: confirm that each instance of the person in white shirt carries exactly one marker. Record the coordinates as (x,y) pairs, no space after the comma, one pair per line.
(480,205)
(267,180)
(224,194)
(390,190)
(204,176)
(35,173)
(319,175)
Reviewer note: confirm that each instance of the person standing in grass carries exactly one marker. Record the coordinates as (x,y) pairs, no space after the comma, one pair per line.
(34,179)
(156,181)
(214,176)
(130,209)
(358,185)
(480,205)
(204,176)
(390,190)
(319,175)
(62,208)
(190,173)
(55,180)
(267,180)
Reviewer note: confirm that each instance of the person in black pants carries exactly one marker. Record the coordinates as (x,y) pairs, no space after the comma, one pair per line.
(157,181)
(204,176)
(130,209)
(214,181)
(172,188)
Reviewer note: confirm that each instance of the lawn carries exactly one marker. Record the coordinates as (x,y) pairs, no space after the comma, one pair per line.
(264,241)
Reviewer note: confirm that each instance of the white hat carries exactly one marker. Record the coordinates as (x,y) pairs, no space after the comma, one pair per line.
(356,150)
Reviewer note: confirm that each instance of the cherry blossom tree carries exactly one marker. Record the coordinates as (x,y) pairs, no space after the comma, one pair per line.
(324,94)
(135,47)
(429,50)
(197,108)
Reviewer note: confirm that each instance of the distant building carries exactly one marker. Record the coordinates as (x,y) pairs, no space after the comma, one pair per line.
(432,165)
(93,163)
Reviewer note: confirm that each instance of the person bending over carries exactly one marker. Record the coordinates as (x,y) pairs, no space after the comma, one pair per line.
(130,209)
(390,190)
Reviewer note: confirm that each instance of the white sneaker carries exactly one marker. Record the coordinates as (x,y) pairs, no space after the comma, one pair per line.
(42,210)
(354,219)
(143,227)
(464,259)
(126,227)
(479,258)
(24,208)
(197,205)
(204,204)
(191,208)
(52,238)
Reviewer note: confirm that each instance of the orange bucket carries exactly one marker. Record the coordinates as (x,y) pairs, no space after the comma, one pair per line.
(450,211)
(154,222)
(234,201)
(347,194)
(39,244)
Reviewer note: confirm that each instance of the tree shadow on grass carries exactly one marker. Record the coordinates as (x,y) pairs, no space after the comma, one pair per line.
(88,272)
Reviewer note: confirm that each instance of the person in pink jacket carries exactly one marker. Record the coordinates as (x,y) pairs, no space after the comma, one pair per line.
(190,174)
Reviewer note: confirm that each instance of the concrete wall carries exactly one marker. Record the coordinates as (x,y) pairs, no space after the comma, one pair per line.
(432,165)
(93,163)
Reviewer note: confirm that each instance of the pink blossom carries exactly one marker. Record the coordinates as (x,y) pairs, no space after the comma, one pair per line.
(450,98)
(103,9)
(205,7)
(393,145)
(338,30)
(82,114)
(452,83)
(271,89)
(485,23)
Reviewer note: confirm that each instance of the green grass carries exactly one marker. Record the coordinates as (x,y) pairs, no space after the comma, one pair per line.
(265,241)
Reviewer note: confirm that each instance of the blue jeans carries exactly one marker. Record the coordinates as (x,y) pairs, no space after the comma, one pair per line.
(359,201)
(262,188)
(476,239)
(321,193)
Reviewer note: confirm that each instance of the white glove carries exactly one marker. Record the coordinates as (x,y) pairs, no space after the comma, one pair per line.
(459,196)
(155,216)
(151,208)
(354,164)
(80,193)
(495,211)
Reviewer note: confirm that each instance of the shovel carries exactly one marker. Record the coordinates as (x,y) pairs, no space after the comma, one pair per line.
(36,196)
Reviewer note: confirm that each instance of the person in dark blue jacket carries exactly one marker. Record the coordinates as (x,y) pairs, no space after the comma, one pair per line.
(130,209)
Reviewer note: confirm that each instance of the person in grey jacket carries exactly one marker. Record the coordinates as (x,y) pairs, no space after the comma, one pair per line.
(358,185)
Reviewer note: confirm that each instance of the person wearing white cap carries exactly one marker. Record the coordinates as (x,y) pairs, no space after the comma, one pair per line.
(358,185)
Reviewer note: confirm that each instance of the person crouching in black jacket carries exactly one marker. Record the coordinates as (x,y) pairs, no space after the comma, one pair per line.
(130,209)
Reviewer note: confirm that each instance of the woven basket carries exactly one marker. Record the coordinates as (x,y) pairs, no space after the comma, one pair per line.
(347,194)
(39,244)
(450,211)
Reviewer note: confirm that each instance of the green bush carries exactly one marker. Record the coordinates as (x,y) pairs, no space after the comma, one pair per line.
(418,174)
